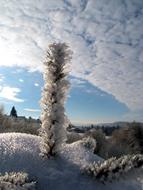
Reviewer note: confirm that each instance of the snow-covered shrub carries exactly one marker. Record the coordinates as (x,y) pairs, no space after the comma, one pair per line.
(114,168)
(54,120)
(101,142)
(16,181)
(89,143)
(73,137)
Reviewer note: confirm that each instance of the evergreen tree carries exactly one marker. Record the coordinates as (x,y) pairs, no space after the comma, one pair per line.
(54,120)
(13,112)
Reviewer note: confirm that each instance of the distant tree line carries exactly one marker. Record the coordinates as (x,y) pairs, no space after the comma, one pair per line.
(107,130)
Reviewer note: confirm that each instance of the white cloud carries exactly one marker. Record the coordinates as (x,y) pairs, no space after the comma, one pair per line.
(10,93)
(21,80)
(2,77)
(36,84)
(76,82)
(32,110)
(105,35)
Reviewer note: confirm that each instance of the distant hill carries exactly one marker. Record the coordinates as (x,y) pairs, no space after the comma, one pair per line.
(117,123)
(112,124)
(107,128)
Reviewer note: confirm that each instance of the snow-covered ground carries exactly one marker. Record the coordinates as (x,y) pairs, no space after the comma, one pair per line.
(20,152)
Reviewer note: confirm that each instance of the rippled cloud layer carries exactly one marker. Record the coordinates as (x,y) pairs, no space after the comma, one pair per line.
(106,37)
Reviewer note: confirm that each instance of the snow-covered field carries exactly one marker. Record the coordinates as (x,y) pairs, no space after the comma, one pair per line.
(20,152)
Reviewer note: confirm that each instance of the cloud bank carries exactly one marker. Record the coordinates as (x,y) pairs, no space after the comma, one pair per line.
(31,110)
(10,93)
(106,37)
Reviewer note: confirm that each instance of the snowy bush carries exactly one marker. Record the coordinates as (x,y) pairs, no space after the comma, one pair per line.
(73,137)
(89,143)
(114,168)
(54,120)
(101,142)
(16,181)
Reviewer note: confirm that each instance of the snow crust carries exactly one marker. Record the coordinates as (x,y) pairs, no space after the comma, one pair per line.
(20,153)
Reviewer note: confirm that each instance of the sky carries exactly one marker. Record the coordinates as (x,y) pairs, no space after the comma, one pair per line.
(106,71)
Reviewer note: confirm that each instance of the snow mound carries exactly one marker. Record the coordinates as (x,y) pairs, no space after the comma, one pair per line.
(79,155)
(20,153)
(12,143)
(17,149)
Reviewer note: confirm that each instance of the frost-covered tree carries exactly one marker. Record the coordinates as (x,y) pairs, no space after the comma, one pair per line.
(54,120)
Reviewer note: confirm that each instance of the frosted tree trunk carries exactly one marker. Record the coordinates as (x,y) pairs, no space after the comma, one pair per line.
(54,120)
